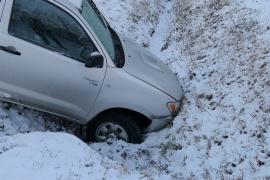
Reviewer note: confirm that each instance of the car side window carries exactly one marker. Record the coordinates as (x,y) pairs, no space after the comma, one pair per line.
(47,25)
(1,8)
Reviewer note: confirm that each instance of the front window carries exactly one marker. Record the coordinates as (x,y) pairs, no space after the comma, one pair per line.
(46,25)
(99,26)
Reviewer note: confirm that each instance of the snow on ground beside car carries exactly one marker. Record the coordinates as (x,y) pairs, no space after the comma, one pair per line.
(220,51)
(53,156)
(13,121)
(30,148)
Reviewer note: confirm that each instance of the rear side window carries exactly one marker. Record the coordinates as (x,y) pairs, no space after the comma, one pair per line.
(46,25)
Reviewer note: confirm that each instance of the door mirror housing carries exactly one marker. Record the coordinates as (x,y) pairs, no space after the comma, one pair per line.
(96,60)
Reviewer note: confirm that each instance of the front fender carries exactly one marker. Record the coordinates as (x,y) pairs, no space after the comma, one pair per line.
(121,90)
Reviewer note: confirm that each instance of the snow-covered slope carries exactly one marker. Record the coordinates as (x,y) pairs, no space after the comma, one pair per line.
(220,51)
(54,156)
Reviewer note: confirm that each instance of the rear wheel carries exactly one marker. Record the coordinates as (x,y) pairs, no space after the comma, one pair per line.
(115,126)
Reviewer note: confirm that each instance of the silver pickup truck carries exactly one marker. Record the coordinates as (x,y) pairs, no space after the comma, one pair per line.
(63,58)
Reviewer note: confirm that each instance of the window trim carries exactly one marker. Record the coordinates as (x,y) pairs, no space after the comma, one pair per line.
(50,48)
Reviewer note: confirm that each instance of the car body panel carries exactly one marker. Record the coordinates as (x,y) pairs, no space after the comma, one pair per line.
(122,90)
(158,124)
(149,68)
(48,80)
(65,87)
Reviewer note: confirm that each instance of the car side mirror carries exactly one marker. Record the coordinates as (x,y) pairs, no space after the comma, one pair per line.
(96,60)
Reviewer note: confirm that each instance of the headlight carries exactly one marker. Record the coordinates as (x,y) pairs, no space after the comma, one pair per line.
(174,108)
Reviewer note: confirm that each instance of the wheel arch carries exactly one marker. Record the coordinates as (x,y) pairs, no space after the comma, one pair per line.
(143,121)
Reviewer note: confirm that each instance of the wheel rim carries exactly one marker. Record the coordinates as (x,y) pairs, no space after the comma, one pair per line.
(109,130)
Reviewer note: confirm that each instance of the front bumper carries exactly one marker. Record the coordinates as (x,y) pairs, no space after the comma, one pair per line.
(161,122)
(158,124)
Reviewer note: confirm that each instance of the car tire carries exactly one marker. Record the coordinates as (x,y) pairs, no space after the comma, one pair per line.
(124,122)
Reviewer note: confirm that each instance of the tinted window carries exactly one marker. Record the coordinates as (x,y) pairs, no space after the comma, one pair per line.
(46,25)
(98,24)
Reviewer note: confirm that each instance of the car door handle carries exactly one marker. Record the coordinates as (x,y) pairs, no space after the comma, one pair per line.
(10,49)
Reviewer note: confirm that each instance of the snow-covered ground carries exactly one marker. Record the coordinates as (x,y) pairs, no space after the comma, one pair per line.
(220,51)
(54,156)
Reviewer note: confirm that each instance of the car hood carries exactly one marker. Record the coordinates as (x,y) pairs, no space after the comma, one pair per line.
(149,68)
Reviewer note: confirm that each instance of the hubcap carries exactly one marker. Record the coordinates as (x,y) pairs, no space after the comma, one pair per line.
(110,130)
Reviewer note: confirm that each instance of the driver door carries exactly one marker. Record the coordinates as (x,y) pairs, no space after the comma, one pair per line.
(43,65)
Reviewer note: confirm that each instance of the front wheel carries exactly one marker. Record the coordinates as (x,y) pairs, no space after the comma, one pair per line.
(114,126)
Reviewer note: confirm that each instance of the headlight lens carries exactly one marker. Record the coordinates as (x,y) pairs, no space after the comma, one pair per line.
(174,108)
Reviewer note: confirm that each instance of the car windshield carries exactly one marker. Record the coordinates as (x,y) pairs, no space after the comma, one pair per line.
(99,26)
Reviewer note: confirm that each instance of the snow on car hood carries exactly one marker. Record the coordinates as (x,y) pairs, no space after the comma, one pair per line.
(149,68)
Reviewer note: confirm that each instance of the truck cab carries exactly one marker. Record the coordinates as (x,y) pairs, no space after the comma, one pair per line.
(62,57)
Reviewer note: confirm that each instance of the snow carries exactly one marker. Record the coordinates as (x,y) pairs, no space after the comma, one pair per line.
(53,156)
(220,51)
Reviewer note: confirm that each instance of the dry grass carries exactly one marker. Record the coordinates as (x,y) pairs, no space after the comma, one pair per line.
(145,10)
